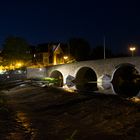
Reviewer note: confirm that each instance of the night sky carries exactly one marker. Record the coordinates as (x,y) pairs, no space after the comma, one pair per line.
(40,21)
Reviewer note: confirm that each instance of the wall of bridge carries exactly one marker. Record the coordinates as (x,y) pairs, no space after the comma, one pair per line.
(100,67)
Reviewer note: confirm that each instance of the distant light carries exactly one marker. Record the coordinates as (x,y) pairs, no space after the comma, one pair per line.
(2,71)
(19,71)
(19,64)
(65,57)
(132,48)
(8,76)
(40,69)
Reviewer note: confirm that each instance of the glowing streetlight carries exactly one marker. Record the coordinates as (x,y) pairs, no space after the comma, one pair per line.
(19,64)
(65,58)
(132,49)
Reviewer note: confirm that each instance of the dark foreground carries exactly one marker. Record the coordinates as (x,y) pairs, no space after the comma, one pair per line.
(34,113)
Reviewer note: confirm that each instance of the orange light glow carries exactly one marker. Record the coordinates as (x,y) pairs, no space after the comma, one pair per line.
(132,48)
(65,57)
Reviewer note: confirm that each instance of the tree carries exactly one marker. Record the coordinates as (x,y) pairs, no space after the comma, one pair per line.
(79,49)
(15,49)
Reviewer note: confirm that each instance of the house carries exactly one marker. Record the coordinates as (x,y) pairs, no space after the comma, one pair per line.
(50,54)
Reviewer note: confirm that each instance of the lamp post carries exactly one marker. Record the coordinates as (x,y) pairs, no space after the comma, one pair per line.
(104,49)
(132,49)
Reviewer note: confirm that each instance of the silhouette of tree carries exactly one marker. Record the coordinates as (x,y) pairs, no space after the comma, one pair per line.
(15,48)
(79,49)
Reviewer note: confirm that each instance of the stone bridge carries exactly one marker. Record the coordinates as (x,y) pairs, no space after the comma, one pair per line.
(93,71)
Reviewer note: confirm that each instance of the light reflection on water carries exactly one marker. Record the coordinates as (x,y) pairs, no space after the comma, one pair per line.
(27,131)
(25,122)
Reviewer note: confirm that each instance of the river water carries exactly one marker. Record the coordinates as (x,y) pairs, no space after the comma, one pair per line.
(124,89)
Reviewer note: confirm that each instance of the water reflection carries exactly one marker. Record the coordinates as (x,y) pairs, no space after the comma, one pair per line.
(25,123)
(22,130)
(90,86)
(125,89)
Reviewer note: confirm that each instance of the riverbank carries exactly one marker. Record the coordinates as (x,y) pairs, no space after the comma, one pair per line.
(47,113)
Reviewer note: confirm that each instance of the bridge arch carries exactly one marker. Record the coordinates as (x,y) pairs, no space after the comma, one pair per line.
(86,79)
(57,75)
(125,70)
(124,79)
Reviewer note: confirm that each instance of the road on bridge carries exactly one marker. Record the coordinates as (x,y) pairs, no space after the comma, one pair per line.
(36,113)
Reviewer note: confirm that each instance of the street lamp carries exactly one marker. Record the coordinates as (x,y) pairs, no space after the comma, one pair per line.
(65,58)
(132,49)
